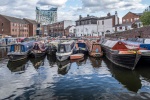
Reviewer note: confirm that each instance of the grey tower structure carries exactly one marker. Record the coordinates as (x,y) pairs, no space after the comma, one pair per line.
(46,17)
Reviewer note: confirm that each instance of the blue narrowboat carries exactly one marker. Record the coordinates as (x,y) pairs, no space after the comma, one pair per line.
(20,51)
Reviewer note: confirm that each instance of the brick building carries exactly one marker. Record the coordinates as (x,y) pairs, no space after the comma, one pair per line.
(32,26)
(12,26)
(129,21)
(58,29)
(131,17)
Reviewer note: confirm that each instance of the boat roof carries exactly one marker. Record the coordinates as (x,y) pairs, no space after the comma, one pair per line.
(110,43)
(68,42)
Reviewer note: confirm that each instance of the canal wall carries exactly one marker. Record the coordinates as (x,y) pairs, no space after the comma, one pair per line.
(143,32)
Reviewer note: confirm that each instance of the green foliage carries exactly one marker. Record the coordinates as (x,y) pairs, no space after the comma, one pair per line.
(145,18)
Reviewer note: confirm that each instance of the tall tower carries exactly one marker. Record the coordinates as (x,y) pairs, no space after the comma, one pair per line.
(46,17)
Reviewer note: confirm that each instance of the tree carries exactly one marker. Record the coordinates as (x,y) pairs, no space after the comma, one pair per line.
(145,18)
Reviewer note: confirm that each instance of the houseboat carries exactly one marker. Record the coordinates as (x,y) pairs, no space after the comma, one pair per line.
(7,41)
(94,48)
(52,47)
(119,54)
(80,47)
(20,51)
(52,60)
(39,49)
(65,49)
(19,66)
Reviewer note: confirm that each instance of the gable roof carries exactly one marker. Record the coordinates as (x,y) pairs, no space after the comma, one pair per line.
(106,17)
(14,19)
(138,14)
(88,18)
(30,21)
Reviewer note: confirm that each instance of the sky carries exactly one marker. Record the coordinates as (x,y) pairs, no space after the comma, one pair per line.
(71,9)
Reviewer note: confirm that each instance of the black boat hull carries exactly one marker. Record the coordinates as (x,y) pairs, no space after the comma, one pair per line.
(17,57)
(51,51)
(124,60)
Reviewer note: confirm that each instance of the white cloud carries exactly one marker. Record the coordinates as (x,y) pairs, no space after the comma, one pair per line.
(93,6)
(52,2)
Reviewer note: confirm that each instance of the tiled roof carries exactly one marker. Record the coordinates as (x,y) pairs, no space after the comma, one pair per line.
(106,17)
(30,21)
(15,20)
(87,18)
(125,24)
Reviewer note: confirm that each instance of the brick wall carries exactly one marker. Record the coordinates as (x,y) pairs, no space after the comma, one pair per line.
(143,32)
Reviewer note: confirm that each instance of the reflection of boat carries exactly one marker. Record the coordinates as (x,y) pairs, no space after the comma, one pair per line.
(37,62)
(63,67)
(39,49)
(94,48)
(96,62)
(79,62)
(17,66)
(52,59)
(20,51)
(129,79)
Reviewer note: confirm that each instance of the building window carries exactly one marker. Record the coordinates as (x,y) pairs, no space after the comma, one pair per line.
(124,20)
(131,20)
(13,30)
(2,24)
(127,20)
(102,22)
(120,28)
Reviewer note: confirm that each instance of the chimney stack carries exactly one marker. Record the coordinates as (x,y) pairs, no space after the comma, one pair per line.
(88,15)
(108,14)
(80,17)
(116,13)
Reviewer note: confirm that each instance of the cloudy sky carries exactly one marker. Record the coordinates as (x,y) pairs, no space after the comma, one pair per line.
(71,9)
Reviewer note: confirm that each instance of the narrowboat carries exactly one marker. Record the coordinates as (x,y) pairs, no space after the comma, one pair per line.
(76,56)
(7,41)
(143,46)
(119,54)
(20,51)
(19,66)
(65,49)
(52,47)
(94,48)
(39,49)
(80,47)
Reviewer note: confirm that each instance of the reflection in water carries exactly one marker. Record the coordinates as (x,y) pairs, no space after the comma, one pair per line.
(17,66)
(130,79)
(37,62)
(63,67)
(52,60)
(96,62)
(3,52)
(81,61)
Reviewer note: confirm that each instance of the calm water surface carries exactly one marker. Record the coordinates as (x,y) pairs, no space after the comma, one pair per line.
(85,79)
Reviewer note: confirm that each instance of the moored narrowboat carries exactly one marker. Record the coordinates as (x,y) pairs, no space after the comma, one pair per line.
(80,47)
(94,48)
(119,54)
(20,51)
(52,47)
(65,49)
(39,49)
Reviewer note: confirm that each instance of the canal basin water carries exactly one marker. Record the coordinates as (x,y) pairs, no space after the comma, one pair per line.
(88,78)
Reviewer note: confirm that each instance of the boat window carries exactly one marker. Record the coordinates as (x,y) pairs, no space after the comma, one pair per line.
(147,41)
(36,47)
(81,45)
(68,48)
(12,49)
(61,49)
(22,49)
